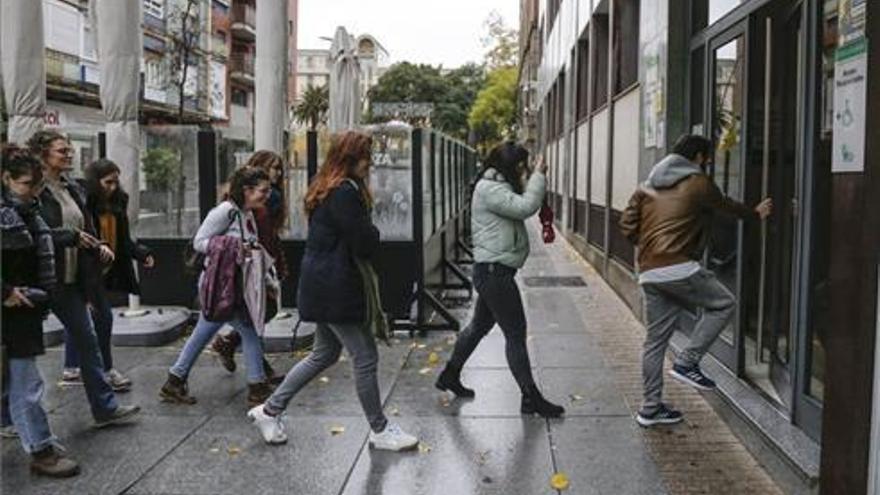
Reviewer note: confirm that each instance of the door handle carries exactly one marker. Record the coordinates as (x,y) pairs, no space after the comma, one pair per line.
(765,179)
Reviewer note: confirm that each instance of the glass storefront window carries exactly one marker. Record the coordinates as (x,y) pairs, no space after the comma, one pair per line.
(820,321)
(391,183)
(169,188)
(727,113)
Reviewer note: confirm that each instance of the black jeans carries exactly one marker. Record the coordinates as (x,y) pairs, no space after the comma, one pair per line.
(498,301)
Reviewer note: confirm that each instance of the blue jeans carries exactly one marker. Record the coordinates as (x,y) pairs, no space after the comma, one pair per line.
(22,392)
(69,305)
(205,331)
(102,317)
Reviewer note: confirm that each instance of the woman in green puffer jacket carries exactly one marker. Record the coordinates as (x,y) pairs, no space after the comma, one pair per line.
(499,208)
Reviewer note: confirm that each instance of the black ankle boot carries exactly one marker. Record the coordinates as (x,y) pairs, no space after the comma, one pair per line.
(535,403)
(450,379)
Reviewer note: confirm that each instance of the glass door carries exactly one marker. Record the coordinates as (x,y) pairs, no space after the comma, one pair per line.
(773,170)
(727,91)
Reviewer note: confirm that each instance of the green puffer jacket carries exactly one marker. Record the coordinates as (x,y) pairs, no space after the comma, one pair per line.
(497,218)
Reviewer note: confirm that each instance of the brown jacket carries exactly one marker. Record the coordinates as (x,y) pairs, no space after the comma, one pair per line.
(670,224)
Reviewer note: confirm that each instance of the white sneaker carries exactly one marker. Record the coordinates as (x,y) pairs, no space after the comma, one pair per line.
(118,381)
(70,377)
(8,432)
(392,438)
(271,427)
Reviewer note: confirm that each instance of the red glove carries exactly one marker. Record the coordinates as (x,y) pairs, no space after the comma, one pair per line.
(546,217)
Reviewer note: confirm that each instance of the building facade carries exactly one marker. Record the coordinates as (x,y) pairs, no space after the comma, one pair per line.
(788,92)
(233,44)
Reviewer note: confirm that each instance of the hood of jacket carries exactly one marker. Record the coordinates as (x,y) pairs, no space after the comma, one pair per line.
(670,171)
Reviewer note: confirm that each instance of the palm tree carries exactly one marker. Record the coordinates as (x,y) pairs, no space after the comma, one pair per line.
(312,106)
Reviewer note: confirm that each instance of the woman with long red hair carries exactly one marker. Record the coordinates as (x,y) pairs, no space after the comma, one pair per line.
(333,294)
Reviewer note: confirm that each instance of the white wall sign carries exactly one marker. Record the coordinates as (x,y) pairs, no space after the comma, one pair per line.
(850,89)
(218,90)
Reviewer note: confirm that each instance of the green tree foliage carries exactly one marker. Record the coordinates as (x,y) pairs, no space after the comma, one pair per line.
(161,168)
(452,93)
(463,85)
(501,43)
(312,107)
(493,116)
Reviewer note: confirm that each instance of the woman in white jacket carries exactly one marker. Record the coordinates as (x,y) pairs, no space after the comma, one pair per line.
(499,209)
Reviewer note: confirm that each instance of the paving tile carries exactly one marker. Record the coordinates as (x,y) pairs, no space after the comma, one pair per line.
(583,392)
(604,455)
(466,456)
(497,394)
(227,456)
(111,458)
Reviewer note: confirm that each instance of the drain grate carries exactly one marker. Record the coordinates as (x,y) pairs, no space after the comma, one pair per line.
(554,282)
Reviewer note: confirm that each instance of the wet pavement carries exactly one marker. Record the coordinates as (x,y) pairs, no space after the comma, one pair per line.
(584,345)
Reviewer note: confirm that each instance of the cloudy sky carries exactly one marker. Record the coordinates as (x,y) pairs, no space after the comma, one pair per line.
(436,32)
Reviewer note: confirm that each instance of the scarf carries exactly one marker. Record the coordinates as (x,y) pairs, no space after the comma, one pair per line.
(376,318)
(22,228)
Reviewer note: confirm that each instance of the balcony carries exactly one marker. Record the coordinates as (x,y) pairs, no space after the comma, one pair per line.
(244,21)
(241,68)
(62,68)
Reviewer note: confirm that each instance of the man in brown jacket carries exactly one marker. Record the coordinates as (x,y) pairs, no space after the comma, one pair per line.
(669,219)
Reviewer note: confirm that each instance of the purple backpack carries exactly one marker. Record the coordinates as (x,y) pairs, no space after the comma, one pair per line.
(219,293)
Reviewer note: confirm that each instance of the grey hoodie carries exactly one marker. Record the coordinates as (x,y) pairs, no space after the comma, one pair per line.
(670,171)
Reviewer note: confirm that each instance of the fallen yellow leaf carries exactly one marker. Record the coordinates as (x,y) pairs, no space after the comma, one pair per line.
(337,430)
(422,346)
(559,481)
(324,379)
(433,358)
(425,371)
(575,397)
(424,448)
(394,411)
(233,451)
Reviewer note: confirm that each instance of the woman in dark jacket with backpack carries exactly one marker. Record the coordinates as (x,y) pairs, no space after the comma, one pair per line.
(332,292)
(107,207)
(28,277)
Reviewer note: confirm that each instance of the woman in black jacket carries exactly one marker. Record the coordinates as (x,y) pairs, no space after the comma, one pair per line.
(28,277)
(78,258)
(107,207)
(332,292)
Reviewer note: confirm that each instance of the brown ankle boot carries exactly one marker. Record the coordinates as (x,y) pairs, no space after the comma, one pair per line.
(258,393)
(225,349)
(175,391)
(50,462)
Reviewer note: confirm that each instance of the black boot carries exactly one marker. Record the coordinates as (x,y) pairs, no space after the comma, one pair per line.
(258,393)
(175,391)
(450,379)
(271,376)
(535,403)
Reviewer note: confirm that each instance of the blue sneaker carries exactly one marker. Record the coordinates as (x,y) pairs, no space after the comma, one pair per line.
(692,376)
(662,416)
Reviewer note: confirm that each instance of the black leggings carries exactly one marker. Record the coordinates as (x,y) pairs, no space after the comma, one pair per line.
(498,300)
